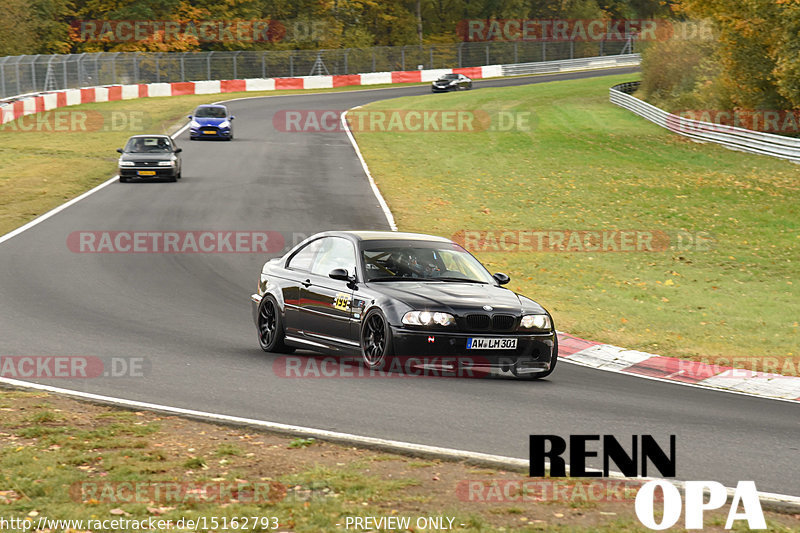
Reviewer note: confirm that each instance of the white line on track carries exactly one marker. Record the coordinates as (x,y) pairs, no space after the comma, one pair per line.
(384,206)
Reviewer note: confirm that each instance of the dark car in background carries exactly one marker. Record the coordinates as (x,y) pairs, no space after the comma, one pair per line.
(149,157)
(379,295)
(211,121)
(451,82)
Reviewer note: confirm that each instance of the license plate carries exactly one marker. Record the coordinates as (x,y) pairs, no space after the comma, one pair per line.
(487,343)
(147,172)
(209,132)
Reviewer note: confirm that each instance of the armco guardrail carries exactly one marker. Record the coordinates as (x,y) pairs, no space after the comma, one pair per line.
(18,106)
(729,136)
(585,63)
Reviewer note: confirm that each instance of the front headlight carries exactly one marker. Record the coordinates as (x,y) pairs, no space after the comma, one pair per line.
(224,124)
(540,322)
(166,163)
(194,124)
(427,318)
(126,163)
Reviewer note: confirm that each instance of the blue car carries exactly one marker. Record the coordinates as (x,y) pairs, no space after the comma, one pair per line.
(211,122)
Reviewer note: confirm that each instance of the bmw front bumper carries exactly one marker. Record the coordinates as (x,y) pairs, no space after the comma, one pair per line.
(534,352)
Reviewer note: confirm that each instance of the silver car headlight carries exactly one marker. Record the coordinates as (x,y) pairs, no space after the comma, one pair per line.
(166,163)
(126,163)
(537,322)
(428,318)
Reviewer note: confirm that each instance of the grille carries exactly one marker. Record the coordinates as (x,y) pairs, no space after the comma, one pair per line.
(478,322)
(503,322)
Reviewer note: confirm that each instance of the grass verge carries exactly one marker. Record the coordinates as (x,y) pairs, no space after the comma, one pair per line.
(69,460)
(586,164)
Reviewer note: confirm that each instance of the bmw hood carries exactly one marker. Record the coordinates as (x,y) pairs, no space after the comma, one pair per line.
(458,298)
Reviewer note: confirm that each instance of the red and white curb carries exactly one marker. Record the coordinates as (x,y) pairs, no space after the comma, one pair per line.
(38,103)
(615,359)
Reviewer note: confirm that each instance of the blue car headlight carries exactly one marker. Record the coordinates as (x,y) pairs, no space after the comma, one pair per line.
(224,125)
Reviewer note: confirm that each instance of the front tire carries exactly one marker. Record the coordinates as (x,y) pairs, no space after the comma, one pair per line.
(270,327)
(376,340)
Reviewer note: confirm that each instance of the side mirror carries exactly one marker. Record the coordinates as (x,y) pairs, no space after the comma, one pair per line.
(189,117)
(501,278)
(340,274)
(178,150)
(120,150)
(232,117)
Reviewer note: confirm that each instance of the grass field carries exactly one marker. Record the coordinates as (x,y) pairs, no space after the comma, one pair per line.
(585,164)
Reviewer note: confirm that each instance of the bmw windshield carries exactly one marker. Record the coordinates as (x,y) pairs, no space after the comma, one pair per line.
(421,261)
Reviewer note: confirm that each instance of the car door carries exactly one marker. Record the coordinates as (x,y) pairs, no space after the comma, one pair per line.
(299,269)
(326,303)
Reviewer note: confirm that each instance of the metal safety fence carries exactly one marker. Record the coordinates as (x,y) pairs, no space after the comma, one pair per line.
(36,73)
(729,136)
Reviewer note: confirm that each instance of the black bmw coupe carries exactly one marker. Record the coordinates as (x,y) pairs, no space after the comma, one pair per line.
(381,295)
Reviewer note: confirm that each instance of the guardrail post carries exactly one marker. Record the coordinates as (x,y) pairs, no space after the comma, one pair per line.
(460,64)
(264,64)
(544,50)
(208,65)
(291,64)
(236,64)
(373,59)
(81,69)
(487,53)
(572,49)
(345,59)
(183,67)
(33,71)
(516,52)
(158,70)
(431,49)
(136,68)
(403,57)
